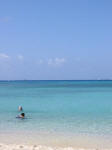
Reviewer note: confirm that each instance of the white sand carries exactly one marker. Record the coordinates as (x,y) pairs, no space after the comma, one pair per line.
(33,147)
(39,147)
(24,142)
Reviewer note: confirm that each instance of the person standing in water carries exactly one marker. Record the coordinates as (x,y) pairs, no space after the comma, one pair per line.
(20,108)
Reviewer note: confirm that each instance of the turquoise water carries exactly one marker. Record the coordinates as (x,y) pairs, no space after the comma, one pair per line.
(57,107)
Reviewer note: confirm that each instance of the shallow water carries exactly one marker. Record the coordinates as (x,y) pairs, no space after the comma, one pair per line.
(62,110)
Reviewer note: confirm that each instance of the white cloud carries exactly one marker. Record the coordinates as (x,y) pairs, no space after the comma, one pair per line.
(59,60)
(56,61)
(20,57)
(4,56)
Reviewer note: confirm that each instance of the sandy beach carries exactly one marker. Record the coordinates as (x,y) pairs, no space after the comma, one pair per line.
(39,147)
(33,147)
(9,142)
(26,147)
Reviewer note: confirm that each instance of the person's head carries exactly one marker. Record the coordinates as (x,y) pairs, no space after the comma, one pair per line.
(20,108)
(22,115)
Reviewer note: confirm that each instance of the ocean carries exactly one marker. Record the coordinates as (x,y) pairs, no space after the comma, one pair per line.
(58,113)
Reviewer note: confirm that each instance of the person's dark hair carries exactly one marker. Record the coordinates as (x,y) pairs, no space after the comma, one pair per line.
(23,114)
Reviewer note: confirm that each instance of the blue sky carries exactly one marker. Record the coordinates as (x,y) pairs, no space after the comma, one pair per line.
(55,39)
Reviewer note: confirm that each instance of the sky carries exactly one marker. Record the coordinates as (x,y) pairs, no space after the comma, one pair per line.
(55,39)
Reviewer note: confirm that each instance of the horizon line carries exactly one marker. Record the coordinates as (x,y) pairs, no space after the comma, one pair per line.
(59,80)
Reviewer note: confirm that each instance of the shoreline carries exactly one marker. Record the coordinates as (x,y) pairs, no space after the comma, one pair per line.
(32,147)
(43,147)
